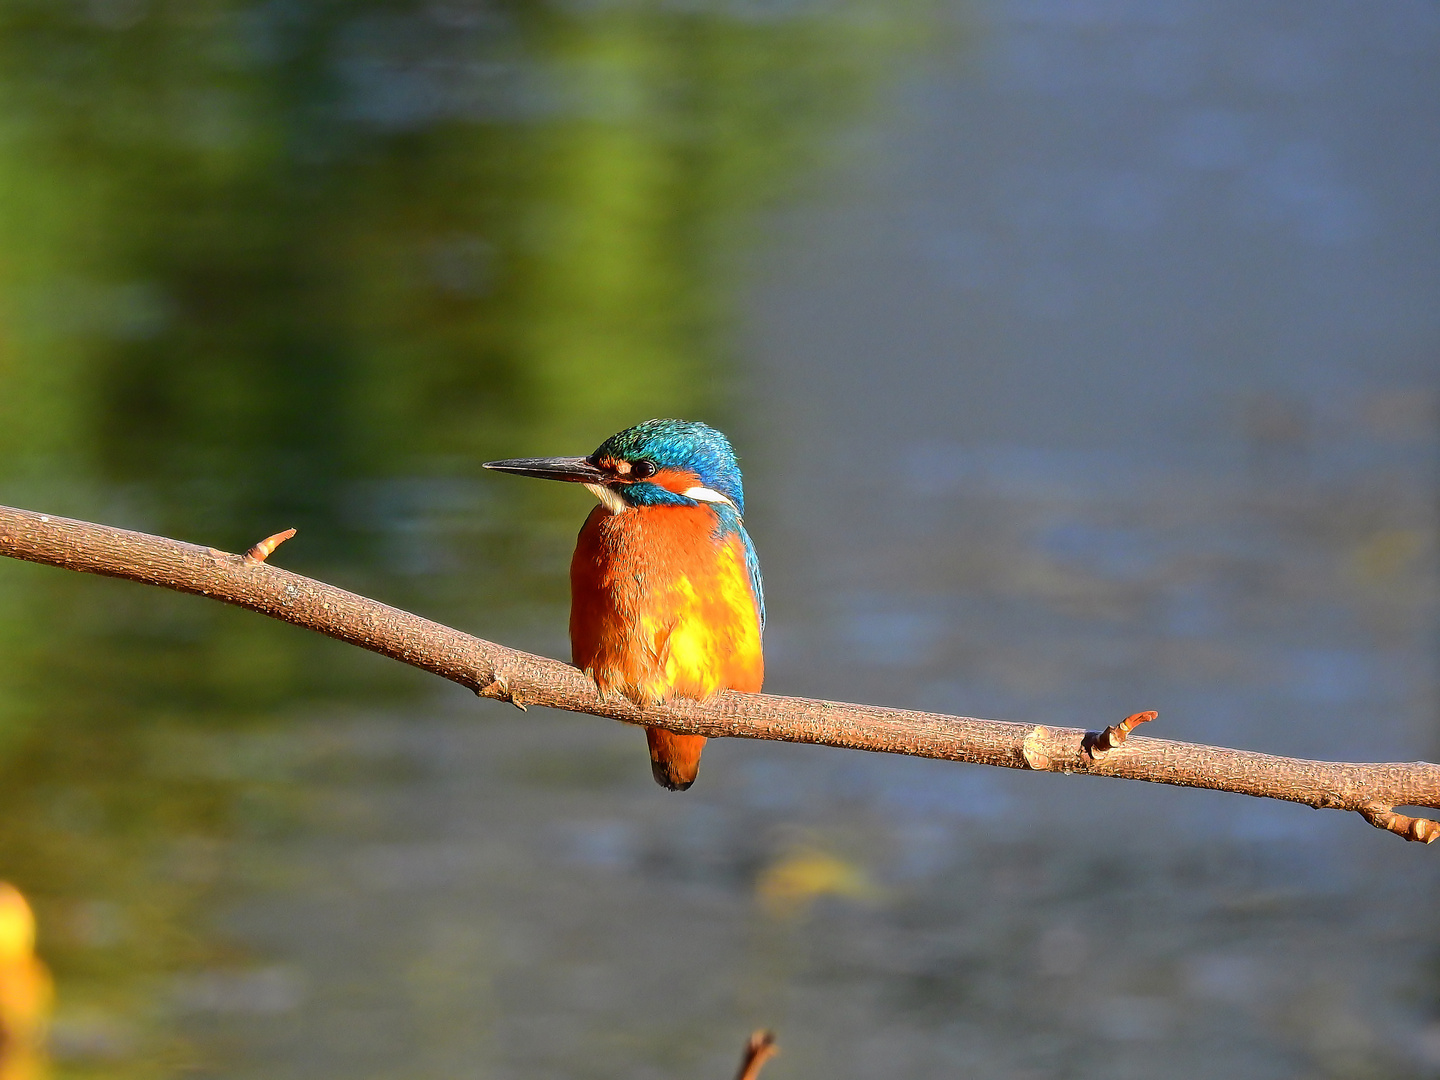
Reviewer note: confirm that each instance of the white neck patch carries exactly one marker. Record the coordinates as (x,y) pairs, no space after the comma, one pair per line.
(608,498)
(611,500)
(704,494)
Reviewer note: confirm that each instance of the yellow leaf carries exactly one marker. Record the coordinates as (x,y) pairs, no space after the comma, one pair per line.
(791,884)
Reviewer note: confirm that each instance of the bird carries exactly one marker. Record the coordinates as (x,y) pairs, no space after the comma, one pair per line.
(666,598)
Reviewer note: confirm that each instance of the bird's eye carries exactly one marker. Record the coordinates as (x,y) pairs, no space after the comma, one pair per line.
(643,470)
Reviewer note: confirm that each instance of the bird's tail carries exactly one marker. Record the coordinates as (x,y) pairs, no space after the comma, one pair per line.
(674,759)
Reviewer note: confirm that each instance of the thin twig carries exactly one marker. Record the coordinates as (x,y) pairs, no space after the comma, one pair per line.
(495,671)
(760,1049)
(1411,828)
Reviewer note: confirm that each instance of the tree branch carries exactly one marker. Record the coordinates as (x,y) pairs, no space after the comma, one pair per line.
(760,1049)
(495,671)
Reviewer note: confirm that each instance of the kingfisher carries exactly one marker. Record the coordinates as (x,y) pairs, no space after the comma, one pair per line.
(665,593)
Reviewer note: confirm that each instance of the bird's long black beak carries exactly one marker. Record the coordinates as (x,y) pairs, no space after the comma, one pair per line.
(576,470)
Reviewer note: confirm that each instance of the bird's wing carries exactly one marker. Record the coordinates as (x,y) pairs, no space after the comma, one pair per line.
(752,565)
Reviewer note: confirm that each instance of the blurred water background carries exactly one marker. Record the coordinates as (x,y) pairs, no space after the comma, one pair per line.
(1081,355)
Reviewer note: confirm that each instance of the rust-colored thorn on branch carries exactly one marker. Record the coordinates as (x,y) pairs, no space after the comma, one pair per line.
(1115,734)
(1373,790)
(760,1049)
(261,551)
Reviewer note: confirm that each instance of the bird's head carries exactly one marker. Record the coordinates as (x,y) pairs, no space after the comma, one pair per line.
(657,463)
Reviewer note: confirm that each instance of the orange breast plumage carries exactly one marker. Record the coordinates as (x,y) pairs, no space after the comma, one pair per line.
(662,605)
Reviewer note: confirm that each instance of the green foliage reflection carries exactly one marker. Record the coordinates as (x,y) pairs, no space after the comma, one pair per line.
(308,264)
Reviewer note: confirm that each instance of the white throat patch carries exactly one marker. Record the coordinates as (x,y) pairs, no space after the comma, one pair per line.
(608,498)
